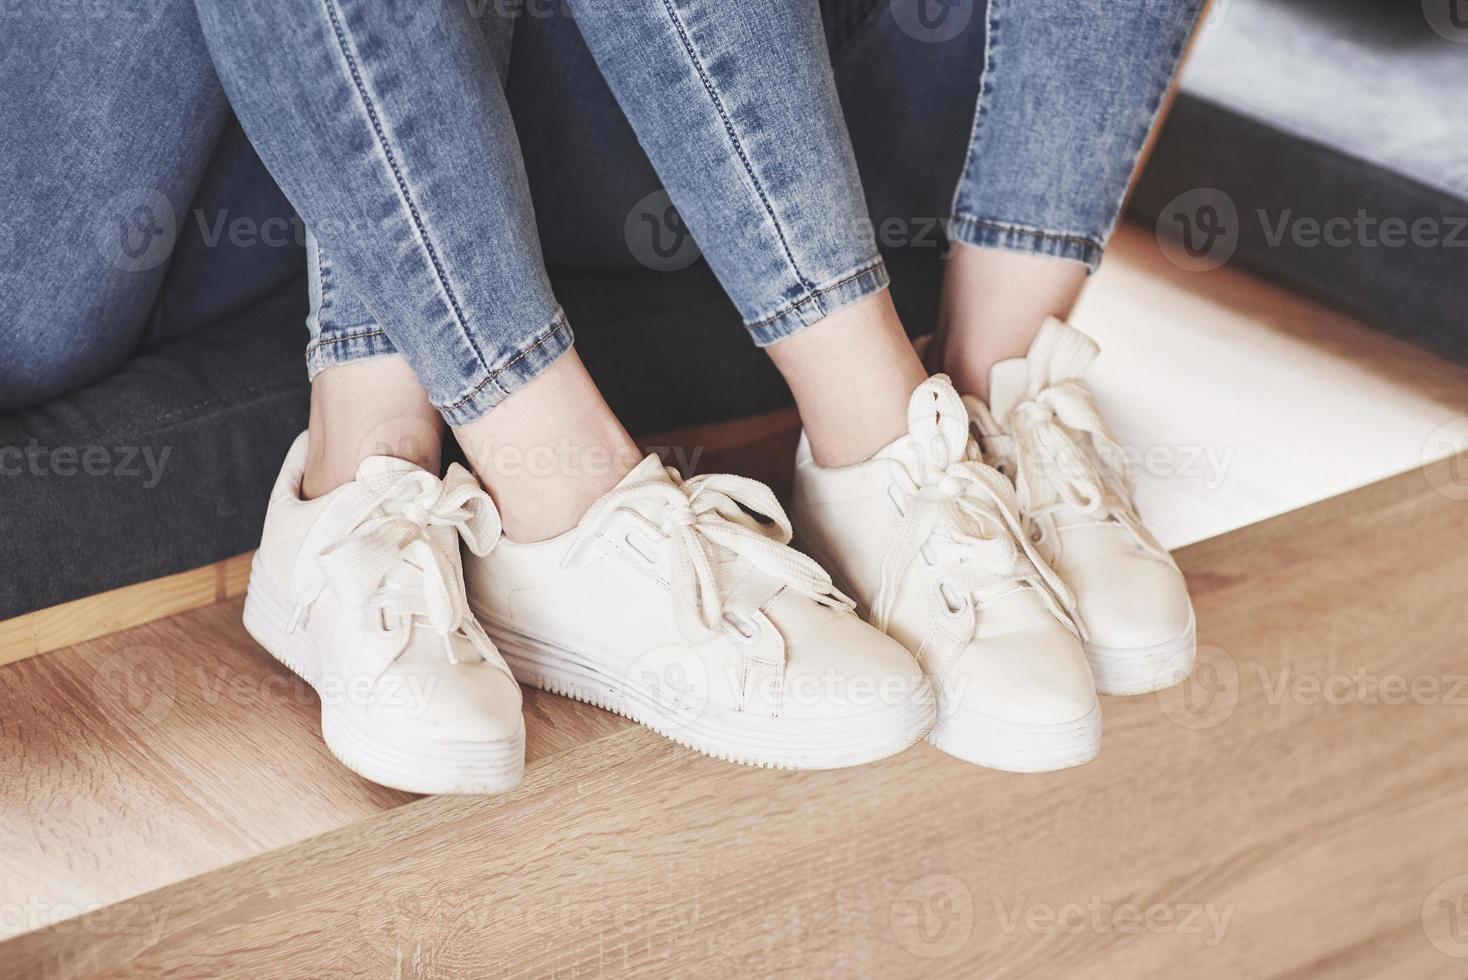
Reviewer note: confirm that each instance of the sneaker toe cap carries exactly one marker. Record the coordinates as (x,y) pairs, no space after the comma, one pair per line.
(1035,676)
(1131,601)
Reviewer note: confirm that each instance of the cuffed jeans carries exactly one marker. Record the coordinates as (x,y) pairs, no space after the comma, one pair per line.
(394,138)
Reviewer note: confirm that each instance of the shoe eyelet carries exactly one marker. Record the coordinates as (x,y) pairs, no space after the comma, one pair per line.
(952,605)
(745,630)
(640,547)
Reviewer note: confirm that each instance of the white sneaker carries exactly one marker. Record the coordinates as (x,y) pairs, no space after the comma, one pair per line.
(681,606)
(1042,428)
(928,539)
(361,593)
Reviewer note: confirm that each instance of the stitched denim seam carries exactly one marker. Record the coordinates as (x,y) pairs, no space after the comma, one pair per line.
(557,325)
(371,110)
(986,88)
(1188,25)
(713,95)
(321,342)
(1009,226)
(790,308)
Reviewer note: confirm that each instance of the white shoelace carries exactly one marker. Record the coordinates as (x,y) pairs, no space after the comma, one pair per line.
(387,566)
(701,516)
(1060,450)
(966,515)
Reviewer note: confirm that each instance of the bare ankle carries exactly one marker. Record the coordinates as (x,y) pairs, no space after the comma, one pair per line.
(852,375)
(549,451)
(369,408)
(994,302)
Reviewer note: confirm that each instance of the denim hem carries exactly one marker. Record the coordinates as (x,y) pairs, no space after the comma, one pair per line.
(1021,238)
(330,350)
(821,302)
(534,356)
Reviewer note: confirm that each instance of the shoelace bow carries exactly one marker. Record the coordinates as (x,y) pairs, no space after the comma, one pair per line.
(1054,438)
(700,515)
(964,509)
(366,566)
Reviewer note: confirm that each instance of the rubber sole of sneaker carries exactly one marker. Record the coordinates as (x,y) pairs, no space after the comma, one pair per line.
(1016,746)
(1123,672)
(408,763)
(708,727)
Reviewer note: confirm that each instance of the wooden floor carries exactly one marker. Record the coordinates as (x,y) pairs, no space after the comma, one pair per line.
(1296,809)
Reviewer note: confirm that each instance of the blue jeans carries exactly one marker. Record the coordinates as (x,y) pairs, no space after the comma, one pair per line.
(404,144)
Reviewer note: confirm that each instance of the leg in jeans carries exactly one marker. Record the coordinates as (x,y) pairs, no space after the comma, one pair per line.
(395,143)
(889,492)
(1066,95)
(109,127)
(737,109)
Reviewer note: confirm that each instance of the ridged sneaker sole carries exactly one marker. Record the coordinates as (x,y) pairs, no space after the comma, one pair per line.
(1016,746)
(1122,671)
(411,764)
(710,728)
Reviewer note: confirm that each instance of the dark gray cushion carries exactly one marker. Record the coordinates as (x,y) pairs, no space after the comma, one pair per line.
(167,465)
(1322,142)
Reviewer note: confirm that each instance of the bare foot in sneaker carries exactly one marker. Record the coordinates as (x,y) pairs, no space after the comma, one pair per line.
(928,540)
(676,603)
(360,591)
(1002,338)
(1041,427)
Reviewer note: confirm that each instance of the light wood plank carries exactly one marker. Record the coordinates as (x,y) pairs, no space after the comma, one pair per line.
(232,576)
(1313,833)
